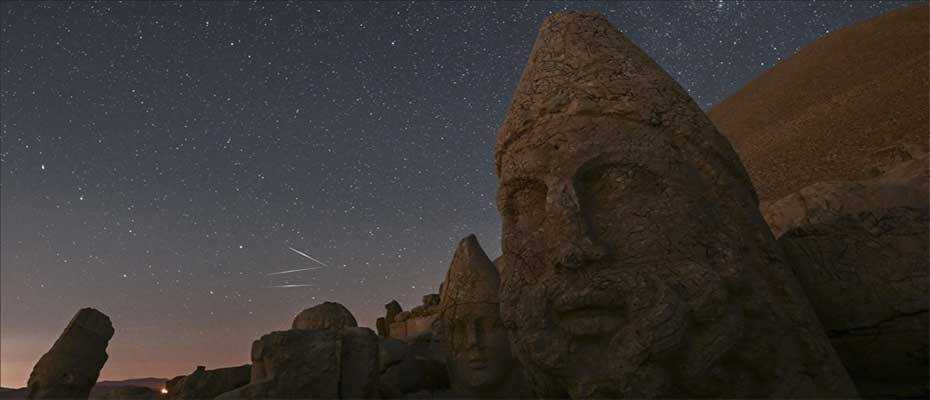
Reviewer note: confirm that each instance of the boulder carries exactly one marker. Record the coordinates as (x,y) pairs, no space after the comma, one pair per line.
(328,315)
(71,367)
(318,363)
(860,251)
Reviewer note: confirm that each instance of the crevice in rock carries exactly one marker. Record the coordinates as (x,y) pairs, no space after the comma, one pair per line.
(876,326)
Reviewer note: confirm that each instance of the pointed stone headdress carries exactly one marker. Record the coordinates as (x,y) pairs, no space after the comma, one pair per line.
(582,67)
(472,277)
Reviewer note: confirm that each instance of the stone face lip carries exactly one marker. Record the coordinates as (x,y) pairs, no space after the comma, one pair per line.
(328,315)
(71,367)
(860,251)
(472,277)
(204,384)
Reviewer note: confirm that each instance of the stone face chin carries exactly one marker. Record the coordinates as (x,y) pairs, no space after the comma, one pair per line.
(635,262)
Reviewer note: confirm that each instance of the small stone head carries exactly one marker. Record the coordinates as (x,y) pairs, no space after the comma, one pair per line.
(477,348)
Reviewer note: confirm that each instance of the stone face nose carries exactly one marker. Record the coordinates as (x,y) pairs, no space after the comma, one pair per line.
(569,243)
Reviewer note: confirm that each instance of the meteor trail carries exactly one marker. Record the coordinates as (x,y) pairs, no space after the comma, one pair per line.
(307,256)
(293,270)
(293,286)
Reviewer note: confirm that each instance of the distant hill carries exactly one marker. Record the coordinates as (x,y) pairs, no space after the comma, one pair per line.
(822,113)
(151,383)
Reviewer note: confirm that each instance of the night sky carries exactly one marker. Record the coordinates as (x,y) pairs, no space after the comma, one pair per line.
(160,159)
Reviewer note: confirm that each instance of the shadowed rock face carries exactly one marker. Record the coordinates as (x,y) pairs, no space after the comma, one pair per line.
(328,315)
(71,367)
(635,261)
(478,352)
(860,251)
(203,384)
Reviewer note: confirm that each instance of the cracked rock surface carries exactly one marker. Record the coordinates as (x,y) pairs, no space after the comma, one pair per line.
(860,250)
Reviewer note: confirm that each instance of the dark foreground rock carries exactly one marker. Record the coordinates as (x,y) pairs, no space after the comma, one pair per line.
(71,367)
(207,384)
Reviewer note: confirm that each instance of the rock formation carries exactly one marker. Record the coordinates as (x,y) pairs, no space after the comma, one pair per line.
(635,260)
(407,325)
(860,251)
(478,354)
(313,363)
(817,115)
(204,384)
(328,315)
(71,367)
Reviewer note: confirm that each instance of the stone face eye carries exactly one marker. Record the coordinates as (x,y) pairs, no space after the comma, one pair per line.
(609,192)
(525,205)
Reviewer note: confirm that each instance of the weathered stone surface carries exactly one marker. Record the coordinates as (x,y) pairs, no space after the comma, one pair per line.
(313,364)
(382,327)
(293,364)
(411,368)
(71,367)
(360,367)
(204,384)
(478,352)
(860,251)
(328,315)
(635,260)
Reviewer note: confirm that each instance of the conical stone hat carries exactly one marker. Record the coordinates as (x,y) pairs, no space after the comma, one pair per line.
(472,277)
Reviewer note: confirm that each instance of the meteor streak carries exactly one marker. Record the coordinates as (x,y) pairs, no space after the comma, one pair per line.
(307,256)
(293,270)
(293,286)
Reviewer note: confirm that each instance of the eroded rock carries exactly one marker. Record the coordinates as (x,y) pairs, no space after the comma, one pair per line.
(635,260)
(71,367)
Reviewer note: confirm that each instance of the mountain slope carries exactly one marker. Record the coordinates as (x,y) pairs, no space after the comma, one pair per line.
(822,113)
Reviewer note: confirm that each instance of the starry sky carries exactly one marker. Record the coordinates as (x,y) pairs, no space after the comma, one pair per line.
(160,159)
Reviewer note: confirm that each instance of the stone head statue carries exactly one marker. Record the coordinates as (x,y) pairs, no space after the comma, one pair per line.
(476,345)
(635,262)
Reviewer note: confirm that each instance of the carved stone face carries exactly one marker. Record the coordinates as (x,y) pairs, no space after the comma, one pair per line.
(614,250)
(479,351)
